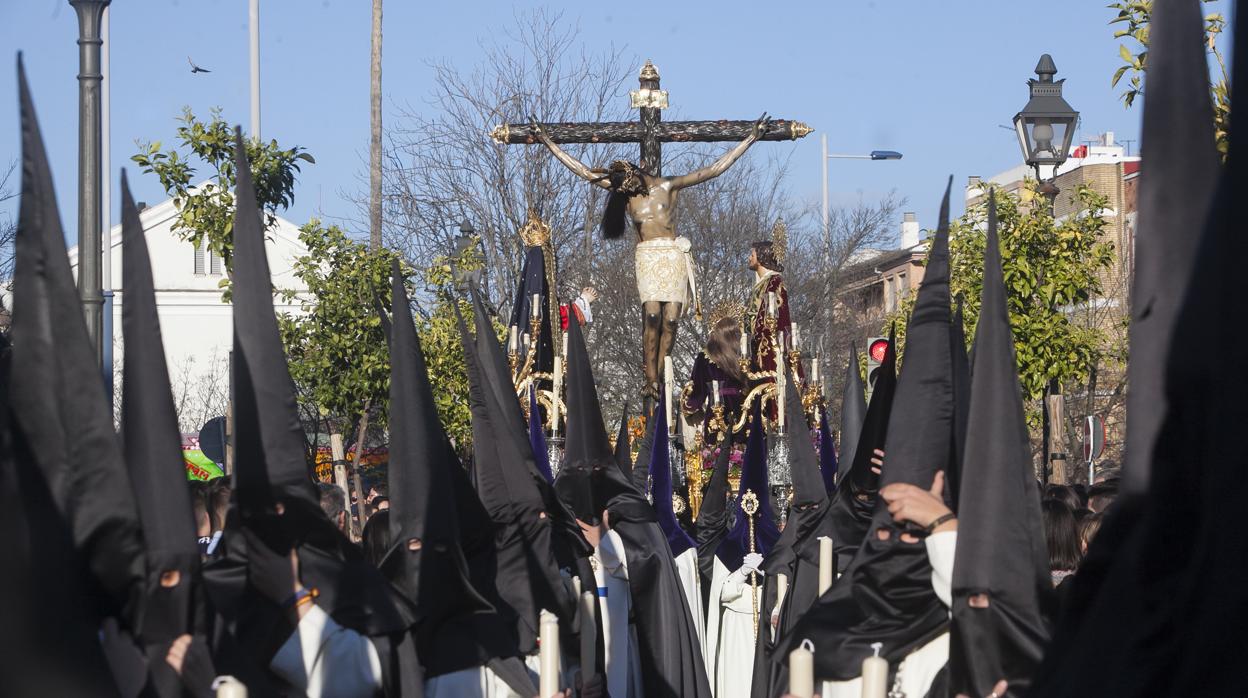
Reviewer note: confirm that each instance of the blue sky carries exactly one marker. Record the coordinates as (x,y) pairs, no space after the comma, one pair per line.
(933,80)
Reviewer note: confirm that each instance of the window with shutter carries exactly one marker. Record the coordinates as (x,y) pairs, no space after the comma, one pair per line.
(199,259)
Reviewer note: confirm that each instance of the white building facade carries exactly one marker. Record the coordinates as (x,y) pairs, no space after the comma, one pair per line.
(196,326)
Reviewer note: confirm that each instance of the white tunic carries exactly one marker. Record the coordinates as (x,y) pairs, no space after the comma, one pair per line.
(473,682)
(619,639)
(921,666)
(691,584)
(729,647)
(322,658)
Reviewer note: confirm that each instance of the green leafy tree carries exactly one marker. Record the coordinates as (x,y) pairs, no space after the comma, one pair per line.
(337,350)
(1051,269)
(206,212)
(439,337)
(1135,16)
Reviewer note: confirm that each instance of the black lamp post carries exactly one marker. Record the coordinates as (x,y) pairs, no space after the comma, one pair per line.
(90,235)
(1046,126)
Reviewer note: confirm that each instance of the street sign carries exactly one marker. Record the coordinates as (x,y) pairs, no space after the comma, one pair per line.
(1093,438)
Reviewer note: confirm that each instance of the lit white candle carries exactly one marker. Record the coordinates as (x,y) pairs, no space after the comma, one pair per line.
(565,345)
(825,564)
(745,345)
(802,672)
(554,400)
(782,588)
(797,344)
(589,633)
(669,385)
(536,306)
(549,677)
(875,674)
(513,339)
(814,370)
(527,340)
(715,391)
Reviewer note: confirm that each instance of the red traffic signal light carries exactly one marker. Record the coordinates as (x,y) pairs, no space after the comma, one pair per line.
(877,349)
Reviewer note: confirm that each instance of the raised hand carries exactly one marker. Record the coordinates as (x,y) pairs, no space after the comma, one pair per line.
(761,126)
(908,503)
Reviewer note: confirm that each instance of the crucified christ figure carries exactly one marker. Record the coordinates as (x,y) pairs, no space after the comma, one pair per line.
(664,265)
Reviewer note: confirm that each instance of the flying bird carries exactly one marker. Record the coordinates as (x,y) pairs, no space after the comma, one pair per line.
(195,68)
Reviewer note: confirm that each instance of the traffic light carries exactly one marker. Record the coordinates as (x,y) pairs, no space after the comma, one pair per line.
(877,347)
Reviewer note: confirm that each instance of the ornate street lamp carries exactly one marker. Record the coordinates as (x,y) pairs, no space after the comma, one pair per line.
(1046,126)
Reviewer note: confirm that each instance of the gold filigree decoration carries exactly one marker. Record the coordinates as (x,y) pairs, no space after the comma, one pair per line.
(799,129)
(501,134)
(780,240)
(648,71)
(678,505)
(725,309)
(535,232)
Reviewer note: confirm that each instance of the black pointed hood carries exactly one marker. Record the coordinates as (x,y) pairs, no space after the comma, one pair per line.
(1001,546)
(886,594)
(809,514)
(523,542)
(854,500)
(269,452)
(268,437)
(961,405)
(853,407)
(503,479)
(458,627)
(1166,565)
(56,393)
(661,485)
(623,448)
(589,479)
(667,643)
(66,561)
(808,485)
(434,577)
(1175,190)
(149,427)
(713,515)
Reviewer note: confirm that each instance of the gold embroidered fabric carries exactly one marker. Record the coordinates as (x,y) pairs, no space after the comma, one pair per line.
(664,270)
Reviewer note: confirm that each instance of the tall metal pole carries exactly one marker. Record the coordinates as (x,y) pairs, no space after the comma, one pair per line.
(254,25)
(374,140)
(106,199)
(90,287)
(824,160)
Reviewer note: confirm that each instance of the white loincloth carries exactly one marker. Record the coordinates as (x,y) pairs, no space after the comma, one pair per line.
(665,271)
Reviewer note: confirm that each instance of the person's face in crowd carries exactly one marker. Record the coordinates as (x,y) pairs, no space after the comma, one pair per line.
(383,505)
(753,264)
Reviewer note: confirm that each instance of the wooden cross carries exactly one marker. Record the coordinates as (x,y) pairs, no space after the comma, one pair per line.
(651,131)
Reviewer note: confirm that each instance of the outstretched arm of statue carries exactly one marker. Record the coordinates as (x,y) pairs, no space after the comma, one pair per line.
(578,168)
(721,165)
